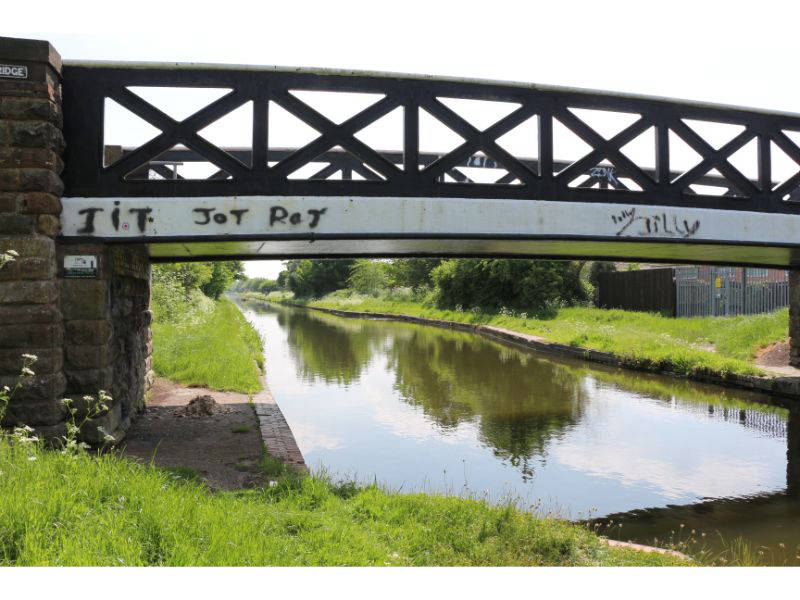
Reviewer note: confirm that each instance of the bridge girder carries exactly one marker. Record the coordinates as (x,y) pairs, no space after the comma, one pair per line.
(410,201)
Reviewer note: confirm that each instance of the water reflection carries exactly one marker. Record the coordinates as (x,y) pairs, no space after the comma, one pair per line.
(325,351)
(426,408)
(518,406)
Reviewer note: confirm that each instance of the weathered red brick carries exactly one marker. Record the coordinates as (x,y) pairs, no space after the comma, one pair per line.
(39,203)
(30,180)
(49,361)
(87,332)
(8,202)
(14,157)
(31,134)
(88,381)
(87,357)
(33,108)
(84,299)
(12,223)
(35,313)
(31,335)
(29,292)
(49,225)
(40,180)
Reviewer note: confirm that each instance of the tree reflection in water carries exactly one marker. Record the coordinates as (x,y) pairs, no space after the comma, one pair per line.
(451,376)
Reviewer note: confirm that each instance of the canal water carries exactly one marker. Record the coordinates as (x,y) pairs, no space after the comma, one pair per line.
(647,458)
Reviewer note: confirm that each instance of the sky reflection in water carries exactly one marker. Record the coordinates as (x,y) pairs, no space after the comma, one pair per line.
(420,408)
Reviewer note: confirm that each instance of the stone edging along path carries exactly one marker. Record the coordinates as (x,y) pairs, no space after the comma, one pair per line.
(781,386)
(276,435)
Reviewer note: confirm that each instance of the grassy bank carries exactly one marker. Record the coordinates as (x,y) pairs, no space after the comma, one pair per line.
(210,345)
(684,345)
(84,510)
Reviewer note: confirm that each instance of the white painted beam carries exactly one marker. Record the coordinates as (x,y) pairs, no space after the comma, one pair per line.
(304,217)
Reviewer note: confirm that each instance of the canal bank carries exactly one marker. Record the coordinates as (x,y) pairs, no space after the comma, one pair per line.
(144,515)
(441,410)
(776,383)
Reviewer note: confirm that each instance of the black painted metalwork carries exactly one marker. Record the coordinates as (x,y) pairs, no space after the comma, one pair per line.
(149,170)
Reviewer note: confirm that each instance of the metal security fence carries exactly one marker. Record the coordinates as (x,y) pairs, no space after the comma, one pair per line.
(773,423)
(695,291)
(727,291)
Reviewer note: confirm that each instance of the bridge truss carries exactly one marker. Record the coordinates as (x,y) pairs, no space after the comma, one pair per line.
(601,202)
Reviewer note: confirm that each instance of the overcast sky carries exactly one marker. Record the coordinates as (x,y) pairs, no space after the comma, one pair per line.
(740,53)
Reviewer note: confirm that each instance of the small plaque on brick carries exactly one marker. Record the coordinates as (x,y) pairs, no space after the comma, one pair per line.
(80,266)
(14,71)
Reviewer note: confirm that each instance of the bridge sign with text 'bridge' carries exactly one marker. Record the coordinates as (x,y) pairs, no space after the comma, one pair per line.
(14,71)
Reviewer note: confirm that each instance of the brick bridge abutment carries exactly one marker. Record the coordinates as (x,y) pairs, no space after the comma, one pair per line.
(89,332)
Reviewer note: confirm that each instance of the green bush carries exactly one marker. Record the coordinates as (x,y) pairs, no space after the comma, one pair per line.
(315,278)
(533,286)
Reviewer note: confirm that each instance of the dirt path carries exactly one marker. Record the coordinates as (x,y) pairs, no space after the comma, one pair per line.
(224,448)
(775,359)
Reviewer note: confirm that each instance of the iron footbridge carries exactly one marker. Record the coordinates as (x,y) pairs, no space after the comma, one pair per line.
(405,165)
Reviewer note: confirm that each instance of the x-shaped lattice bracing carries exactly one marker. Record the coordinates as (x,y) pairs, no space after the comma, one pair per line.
(714,159)
(258,166)
(791,149)
(178,132)
(476,140)
(602,148)
(333,135)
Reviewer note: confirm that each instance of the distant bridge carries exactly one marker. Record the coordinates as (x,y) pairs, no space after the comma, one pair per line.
(601,200)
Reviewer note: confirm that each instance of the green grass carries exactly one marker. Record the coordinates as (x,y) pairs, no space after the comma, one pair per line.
(218,350)
(639,339)
(84,510)
(184,474)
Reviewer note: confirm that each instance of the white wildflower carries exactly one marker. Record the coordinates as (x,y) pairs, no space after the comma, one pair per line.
(27,371)
(31,357)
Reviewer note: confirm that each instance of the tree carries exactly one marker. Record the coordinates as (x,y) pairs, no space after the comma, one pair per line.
(492,284)
(314,278)
(190,275)
(369,276)
(413,272)
(223,274)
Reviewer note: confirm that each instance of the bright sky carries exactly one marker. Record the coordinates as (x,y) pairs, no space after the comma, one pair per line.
(727,52)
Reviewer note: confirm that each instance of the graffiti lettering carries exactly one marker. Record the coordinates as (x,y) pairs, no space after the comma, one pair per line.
(315,216)
(88,224)
(653,224)
(141,217)
(206,212)
(115,216)
(237,214)
(93,223)
(278,214)
(604,173)
(220,218)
